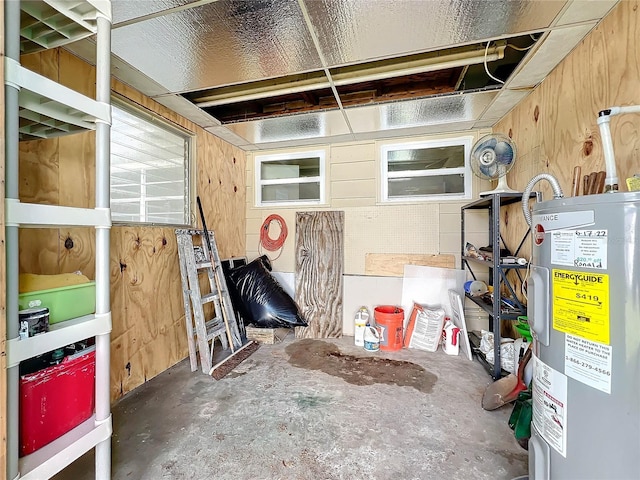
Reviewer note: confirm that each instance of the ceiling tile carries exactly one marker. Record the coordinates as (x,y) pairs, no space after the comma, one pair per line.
(501,105)
(581,11)
(225,42)
(446,109)
(228,135)
(353,31)
(315,126)
(124,10)
(187,109)
(556,46)
(413,131)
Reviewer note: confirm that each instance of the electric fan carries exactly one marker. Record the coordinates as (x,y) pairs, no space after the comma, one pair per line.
(491,159)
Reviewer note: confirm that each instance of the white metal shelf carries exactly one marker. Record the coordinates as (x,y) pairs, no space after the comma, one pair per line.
(53,23)
(48,109)
(53,457)
(35,215)
(58,336)
(36,108)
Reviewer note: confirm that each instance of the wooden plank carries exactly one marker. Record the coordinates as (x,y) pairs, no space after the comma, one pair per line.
(319,268)
(392,264)
(268,336)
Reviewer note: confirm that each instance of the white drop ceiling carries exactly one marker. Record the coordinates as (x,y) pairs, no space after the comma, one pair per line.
(170,48)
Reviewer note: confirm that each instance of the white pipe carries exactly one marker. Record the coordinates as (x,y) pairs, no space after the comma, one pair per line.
(604,119)
(103,343)
(11,165)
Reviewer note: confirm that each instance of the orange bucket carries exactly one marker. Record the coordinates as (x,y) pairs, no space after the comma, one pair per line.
(390,319)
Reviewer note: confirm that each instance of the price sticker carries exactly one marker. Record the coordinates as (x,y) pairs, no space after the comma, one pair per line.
(581,304)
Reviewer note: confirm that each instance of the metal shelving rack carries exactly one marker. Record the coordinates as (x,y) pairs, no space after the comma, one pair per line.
(497,273)
(36,107)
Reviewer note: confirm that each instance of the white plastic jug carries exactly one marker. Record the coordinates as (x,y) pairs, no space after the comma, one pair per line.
(371,339)
(361,320)
(451,335)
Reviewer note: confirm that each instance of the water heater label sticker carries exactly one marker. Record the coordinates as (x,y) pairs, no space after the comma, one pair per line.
(588,362)
(579,248)
(550,405)
(581,304)
(564,220)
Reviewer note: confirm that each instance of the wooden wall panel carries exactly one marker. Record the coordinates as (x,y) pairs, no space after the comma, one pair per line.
(146,296)
(41,158)
(319,269)
(222,188)
(147,308)
(121,377)
(555,128)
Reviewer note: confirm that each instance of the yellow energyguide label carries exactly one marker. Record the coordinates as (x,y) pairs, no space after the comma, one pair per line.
(581,304)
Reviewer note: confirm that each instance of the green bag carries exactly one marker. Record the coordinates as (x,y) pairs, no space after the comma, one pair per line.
(520,418)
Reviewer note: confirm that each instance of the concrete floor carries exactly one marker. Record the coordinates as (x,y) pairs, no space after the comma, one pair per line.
(314,410)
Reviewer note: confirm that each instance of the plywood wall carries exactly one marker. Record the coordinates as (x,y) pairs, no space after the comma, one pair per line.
(555,127)
(146,297)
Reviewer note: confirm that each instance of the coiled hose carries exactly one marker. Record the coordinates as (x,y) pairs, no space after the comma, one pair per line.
(555,185)
(273,244)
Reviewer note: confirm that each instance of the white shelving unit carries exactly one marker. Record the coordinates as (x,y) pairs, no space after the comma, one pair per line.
(35,108)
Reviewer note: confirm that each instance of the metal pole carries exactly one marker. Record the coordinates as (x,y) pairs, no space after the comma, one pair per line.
(103,342)
(11,121)
(495,280)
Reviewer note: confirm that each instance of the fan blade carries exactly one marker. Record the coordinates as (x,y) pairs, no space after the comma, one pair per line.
(490,171)
(504,153)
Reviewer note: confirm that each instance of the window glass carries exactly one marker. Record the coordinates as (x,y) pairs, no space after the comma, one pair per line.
(149,168)
(296,178)
(426,170)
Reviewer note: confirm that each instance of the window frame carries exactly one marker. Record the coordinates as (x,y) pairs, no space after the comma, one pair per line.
(190,149)
(299,154)
(465,141)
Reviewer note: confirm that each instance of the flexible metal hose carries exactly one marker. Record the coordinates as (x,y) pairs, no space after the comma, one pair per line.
(555,185)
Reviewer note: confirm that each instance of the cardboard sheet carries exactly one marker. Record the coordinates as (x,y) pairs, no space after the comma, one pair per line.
(430,286)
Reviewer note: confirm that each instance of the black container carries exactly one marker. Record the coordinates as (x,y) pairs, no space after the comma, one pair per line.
(33,321)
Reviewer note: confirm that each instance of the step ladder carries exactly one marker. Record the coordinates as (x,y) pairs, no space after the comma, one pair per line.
(201,333)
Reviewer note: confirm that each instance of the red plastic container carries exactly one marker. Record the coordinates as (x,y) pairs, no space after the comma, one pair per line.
(56,399)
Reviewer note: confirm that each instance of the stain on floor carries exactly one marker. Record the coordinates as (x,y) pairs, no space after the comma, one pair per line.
(327,358)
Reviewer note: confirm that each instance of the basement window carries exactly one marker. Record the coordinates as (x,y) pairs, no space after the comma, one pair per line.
(149,168)
(290,179)
(423,171)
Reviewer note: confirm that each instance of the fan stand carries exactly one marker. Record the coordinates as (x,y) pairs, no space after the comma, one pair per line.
(502,186)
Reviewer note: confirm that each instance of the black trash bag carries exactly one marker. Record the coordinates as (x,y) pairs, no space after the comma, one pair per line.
(262,301)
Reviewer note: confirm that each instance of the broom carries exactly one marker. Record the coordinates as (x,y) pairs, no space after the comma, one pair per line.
(222,368)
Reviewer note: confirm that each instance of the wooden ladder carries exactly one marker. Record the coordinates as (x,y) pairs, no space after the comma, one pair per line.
(195,258)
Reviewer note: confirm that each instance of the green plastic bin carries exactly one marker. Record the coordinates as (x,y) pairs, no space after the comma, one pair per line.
(64,303)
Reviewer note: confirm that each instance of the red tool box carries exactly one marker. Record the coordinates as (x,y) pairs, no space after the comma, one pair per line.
(56,399)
